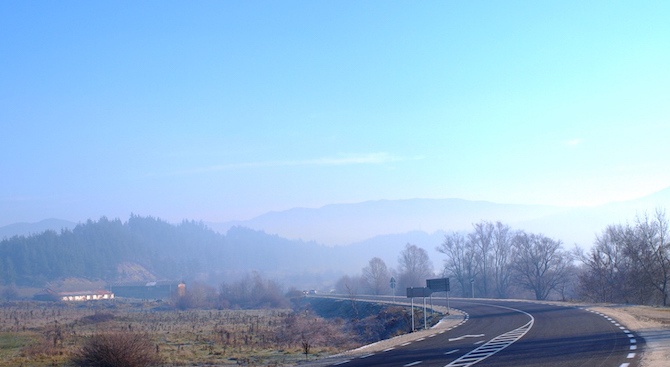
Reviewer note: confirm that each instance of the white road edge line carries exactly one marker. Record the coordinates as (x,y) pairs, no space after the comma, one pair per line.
(496,344)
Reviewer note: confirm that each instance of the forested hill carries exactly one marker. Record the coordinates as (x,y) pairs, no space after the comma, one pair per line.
(98,249)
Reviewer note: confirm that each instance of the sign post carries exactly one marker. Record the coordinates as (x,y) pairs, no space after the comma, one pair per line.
(419,292)
(392,284)
(440,285)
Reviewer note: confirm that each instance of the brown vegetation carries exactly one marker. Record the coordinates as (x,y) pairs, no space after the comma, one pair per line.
(47,334)
(117,349)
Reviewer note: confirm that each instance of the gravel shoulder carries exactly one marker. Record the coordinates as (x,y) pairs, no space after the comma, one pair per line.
(651,323)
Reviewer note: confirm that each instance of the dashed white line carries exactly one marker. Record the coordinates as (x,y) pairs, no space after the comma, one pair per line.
(451,351)
(412,364)
(343,362)
(367,355)
(631,355)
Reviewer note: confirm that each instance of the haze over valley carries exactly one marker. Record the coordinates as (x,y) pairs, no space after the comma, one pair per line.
(311,248)
(310,138)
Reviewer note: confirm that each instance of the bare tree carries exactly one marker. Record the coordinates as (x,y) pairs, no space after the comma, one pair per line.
(376,276)
(348,285)
(607,274)
(460,261)
(482,240)
(540,264)
(650,250)
(414,267)
(501,248)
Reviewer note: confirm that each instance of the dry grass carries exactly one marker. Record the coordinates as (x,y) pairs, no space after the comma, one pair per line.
(49,334)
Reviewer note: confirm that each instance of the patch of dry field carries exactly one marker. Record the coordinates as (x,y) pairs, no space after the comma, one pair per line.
(46,334)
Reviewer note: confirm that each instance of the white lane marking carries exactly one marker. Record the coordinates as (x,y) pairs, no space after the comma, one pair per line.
(367,355)
(412,364)
(388,349)
(452,351)
(465,336)
(420,339)
(627,332)
(405,344)
(494,345)
(480,342)
(343,362)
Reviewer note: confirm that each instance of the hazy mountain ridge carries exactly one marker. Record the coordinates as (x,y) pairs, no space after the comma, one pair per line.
(347,224)
(343,224)
(25,229)
(288,244)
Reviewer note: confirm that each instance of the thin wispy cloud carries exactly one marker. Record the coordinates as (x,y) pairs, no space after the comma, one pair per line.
(344,160)
(573,142)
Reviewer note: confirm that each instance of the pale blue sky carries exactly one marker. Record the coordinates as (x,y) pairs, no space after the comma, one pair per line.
(228,109)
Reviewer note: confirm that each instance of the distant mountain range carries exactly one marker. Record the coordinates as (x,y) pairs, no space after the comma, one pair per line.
(26,229)
(345,224)
(382,227)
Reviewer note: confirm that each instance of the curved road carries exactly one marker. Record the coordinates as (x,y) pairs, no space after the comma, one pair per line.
(519,334)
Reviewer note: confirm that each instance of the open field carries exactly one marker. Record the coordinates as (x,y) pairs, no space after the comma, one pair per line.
(47,334)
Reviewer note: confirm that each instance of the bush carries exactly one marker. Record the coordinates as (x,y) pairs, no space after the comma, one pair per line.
(124,349)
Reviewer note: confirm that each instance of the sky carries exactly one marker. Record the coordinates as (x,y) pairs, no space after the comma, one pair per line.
(225,110)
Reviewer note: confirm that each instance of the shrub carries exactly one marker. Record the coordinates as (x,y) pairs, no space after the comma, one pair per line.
(121,349)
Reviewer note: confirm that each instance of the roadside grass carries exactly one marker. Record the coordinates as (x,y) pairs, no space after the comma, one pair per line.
(12,343)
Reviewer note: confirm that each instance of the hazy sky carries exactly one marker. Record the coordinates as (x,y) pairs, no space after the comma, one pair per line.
(228,109)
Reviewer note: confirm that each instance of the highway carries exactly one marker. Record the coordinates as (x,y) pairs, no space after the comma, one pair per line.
(519,334)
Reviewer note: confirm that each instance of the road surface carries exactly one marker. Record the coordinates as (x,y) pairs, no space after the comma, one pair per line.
(515,334)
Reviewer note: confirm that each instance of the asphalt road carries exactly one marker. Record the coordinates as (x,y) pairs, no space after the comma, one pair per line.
(520,334)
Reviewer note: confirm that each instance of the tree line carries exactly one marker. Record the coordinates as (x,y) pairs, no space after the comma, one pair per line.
(628,263)
(414,266)
(94,249)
